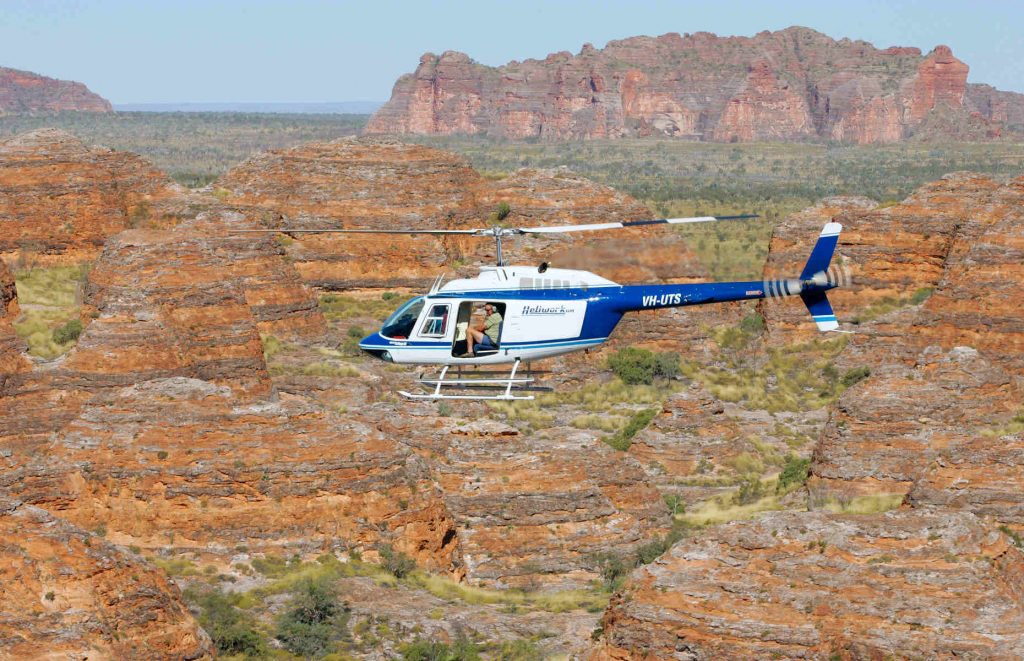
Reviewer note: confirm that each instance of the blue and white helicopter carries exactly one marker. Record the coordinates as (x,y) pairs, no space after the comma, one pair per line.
(546,312)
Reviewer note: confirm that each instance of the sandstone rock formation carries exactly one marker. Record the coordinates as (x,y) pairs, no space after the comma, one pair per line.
(962,344)
(23,92)
(534,513)
(12,359)
(382,184)
(794,84)
(66,593)
(809,585)
(181,463)
(60,197)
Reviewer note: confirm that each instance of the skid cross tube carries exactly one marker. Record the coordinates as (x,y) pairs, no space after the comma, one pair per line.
(462,382)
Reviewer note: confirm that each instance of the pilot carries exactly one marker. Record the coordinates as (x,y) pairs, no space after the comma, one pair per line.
(485,336)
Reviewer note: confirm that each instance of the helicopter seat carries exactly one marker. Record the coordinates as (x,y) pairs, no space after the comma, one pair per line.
(492,348)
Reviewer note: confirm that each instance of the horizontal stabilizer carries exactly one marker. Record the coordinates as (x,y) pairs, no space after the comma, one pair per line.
(821,310)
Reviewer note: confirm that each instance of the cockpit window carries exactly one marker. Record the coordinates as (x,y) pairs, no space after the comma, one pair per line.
(399,325)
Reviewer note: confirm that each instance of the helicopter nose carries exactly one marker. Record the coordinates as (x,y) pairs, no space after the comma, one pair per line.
(372,344)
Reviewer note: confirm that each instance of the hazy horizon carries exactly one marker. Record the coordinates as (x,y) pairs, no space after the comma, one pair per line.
(222,51)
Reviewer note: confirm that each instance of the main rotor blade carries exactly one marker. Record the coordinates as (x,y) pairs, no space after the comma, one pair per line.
(292,230)
(633,223)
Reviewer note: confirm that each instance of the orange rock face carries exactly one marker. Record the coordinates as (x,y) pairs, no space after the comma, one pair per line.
(945,371)
(795,84)
(65,593)
(23,92)
(201,470)
(811,585)
(383,184)
(60,197)
(12,347)
(534,513)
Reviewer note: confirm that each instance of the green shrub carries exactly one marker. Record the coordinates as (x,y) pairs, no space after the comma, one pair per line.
(666,365)
(429,650)
(751,490)
(634,366)
(232,630)
(612,569)
(502,212)
(855,375)
(921,295)
(395,562)
(623,438)
(793,473)
(356,332)
(69,332)
(752,324)
(313,619)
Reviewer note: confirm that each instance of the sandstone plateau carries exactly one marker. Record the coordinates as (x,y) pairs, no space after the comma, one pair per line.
(23,92)
(792,85)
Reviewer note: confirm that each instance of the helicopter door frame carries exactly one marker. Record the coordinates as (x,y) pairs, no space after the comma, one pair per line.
(470,305)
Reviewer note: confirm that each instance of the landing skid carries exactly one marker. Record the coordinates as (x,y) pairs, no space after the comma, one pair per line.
(510,383)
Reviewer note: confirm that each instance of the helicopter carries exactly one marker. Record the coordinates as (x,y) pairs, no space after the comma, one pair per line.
(544,312)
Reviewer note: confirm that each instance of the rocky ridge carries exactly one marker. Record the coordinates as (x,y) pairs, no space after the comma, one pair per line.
(792,85)
(61,199)
(24,92)
(811,585)
(68,593)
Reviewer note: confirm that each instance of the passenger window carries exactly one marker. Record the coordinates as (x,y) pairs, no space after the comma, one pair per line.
(436,323)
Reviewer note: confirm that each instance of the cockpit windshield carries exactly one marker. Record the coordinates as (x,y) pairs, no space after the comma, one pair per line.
(400,324)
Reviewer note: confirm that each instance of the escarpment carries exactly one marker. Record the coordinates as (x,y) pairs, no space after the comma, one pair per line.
(24,92)
(791,85)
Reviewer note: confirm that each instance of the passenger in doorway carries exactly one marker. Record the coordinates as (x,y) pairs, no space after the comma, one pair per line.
(485,336)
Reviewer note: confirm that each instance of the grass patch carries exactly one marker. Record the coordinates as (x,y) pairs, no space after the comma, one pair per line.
(598,399)
(176,566)
(552,602)
(795,378)
(1014,426)
(884,306)
(727,508)
(329,369)
(339,307)
(874,504)
(50,301)
(596,421)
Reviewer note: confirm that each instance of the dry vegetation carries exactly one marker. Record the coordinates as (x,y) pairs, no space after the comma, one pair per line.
(50,300)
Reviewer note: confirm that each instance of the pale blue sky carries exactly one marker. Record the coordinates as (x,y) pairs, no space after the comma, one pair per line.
(154,51)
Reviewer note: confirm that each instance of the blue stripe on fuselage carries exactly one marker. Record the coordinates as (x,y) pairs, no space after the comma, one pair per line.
(605,306)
